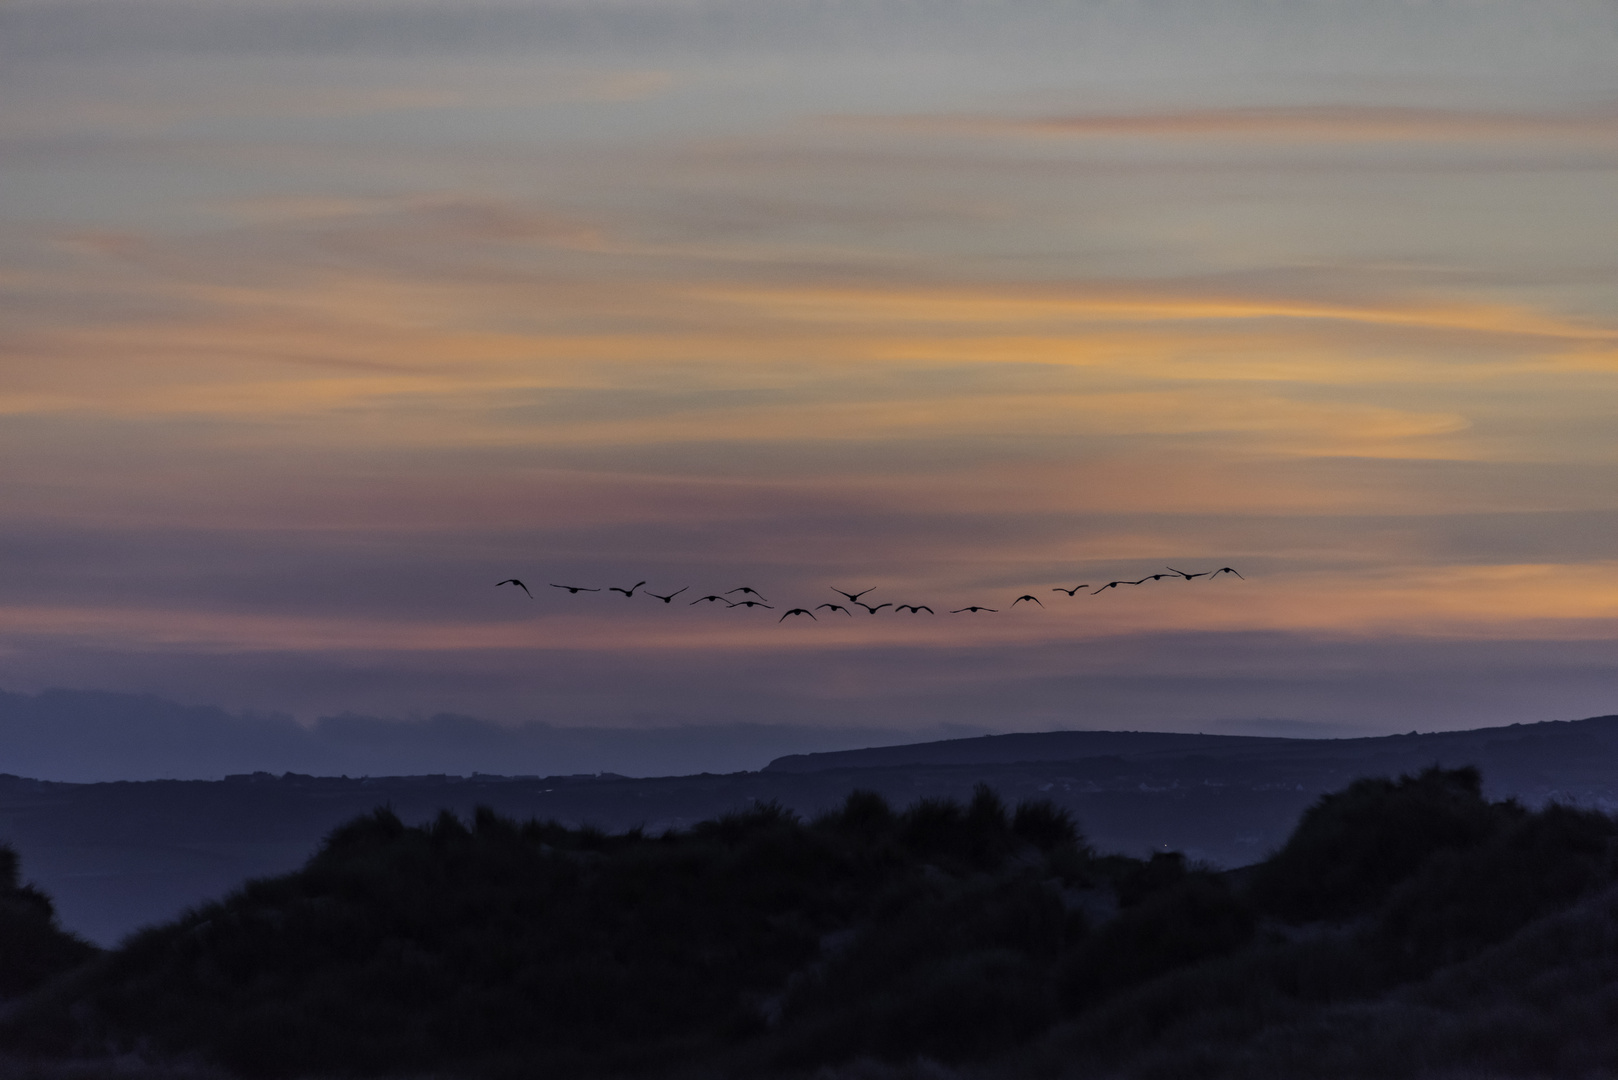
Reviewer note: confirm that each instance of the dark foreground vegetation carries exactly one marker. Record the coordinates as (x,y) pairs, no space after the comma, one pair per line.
(1408,928)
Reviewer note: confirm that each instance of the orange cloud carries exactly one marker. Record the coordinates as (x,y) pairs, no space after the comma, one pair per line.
(1320,123)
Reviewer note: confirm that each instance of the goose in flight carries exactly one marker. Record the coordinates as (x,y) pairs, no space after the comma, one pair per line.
(627,592)
(1225,570)
(573,589)
(837,607)
(667,598)
(751,603)
(1187,576)
(798,611)
(853,597)
(710,598)
(516,582)
(868,607)
(914,609)
(1026,596)
(749,592)
(974,609)
(1154,577)
(1071,591)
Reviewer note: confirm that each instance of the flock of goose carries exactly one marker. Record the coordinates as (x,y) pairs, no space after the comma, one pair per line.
(752,598)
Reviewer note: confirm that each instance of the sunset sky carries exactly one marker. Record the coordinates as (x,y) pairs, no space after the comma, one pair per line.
(319,318)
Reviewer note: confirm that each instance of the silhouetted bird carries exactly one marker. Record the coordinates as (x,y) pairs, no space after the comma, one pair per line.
(798,611)
(721,599)
(1020,599)
(973,608)
(751,603)
(514,581)
(667,598)
(914,609)
(1110,585)
(750,592)
(1071,591)
(627,592)
(1154,577)
(1187,576)
(837,607)
(853,597)
(575,589)
(1225,570)
(868,607)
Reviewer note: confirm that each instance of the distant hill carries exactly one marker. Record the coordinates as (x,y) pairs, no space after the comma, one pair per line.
(1556,759)
(1028,746)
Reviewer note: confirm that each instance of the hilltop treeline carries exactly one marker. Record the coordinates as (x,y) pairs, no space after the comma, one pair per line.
(984,937)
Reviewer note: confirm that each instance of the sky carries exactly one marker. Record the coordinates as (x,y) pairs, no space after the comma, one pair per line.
(318,319)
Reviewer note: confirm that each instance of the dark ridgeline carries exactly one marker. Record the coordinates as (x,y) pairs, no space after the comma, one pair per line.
(1401,914)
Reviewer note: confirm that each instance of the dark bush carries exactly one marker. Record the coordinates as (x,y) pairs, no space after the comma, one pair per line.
(944,970)
(1134,881)
(1186,922)
(1353,846)
(977,836)
(1044,824)
(865,814)
(33,948)
(1463,899)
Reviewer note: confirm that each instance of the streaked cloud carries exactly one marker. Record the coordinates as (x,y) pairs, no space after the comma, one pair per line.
(317,323)
(1308,123)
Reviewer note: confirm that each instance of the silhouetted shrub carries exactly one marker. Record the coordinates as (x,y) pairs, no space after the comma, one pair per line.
(978,835)
(1463,899)
(33,947)
(1192,919)
(1352,847)
(1044,824)
(864,814)
(947,970)
(1134,881)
